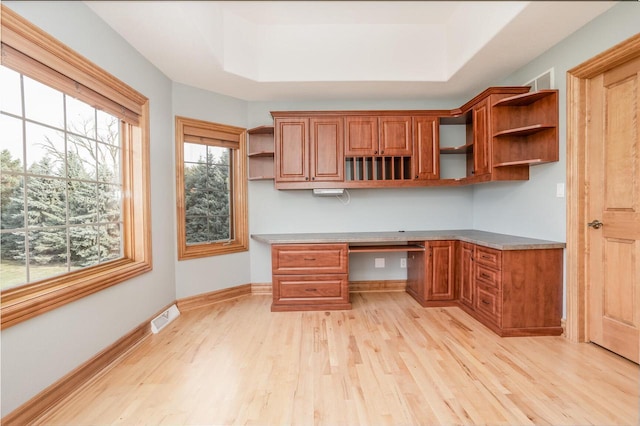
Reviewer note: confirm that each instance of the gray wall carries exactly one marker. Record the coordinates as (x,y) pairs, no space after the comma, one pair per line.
(40,351)
(197,276)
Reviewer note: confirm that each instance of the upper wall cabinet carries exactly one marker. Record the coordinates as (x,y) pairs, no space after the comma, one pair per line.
(495,136)
(309,150)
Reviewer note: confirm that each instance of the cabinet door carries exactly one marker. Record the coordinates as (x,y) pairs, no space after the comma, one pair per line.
(326,144)
(395,136)
(426,148)
(291,149)
(465,274)
(362,136)
(481,139)
(440,283)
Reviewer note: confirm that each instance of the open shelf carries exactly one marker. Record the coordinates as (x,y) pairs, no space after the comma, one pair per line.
(525,130)
(462,149)
(524,99)
(519,163)
(261,153)
(385,248)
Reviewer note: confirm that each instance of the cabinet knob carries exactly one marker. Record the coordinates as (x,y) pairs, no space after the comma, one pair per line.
(313,178)
(381,152)
(375,152)
(306,178)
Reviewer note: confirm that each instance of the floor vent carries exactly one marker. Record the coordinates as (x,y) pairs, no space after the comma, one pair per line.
(161,321)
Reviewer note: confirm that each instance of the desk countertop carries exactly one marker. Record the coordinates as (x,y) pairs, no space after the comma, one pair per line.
(487,239)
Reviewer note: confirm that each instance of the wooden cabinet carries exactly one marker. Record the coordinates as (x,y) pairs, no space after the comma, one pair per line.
(426,148)
(495,136)
(326,143)
(431,274)
(261,153)
(481,140)
(465,274)
(513,292)
(309,149)
(310,277)
(383,135)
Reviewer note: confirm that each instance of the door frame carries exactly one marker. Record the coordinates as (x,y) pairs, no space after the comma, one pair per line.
(577,85)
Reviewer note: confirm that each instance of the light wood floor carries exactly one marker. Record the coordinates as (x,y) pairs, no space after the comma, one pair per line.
(388,361)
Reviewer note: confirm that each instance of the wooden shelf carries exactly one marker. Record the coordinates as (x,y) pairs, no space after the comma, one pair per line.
(519,163)
(524,99)
(261,154)
(524,131)
(260,178)
(261,130)
(462,149)
(385,248)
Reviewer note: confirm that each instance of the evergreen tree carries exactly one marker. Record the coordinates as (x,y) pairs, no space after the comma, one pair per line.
(11,206)
(207,199)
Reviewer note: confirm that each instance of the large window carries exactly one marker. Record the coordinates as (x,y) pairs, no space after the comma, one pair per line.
(212,211)
(74,175)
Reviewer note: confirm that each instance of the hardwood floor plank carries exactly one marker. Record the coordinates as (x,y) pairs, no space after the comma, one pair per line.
(387,361)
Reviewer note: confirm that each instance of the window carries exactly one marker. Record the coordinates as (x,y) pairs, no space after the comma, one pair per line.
(211,189)
(74,175)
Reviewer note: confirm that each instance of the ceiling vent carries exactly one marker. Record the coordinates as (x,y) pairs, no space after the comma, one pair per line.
(542,82)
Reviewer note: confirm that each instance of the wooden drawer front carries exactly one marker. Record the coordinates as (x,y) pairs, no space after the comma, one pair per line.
(488,257)
(488,276)
(309,258)
(488,303)
(311,287)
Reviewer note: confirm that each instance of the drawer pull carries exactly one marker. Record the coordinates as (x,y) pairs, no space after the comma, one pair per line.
(485,302)
(310,289)
(483,275)
(484,256)
(309,258)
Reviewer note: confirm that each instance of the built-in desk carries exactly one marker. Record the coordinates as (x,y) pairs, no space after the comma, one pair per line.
(511,284)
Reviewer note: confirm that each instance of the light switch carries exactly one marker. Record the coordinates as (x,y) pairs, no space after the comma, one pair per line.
(379,263)
(560,190)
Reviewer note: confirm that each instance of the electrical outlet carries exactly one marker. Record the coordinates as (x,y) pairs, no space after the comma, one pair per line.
(379,262)
(403,262)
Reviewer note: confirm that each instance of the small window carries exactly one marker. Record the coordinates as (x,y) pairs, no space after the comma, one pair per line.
(211,189)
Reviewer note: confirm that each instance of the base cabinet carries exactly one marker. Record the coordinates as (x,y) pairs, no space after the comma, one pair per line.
(431,274)
(513,292)
(310,277)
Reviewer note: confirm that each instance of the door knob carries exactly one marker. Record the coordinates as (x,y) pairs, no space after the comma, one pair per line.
(596,224)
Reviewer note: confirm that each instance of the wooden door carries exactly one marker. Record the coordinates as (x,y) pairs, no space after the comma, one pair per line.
(362,136)
(291,149)
(465,274)
(395,136)
(440,282)
(326,144)
(613,199)
(426,148)
(481,139)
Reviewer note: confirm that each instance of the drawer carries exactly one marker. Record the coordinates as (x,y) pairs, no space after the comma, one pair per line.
(488,276)
(309,258)
(489,303)
(488,257)
(307,288)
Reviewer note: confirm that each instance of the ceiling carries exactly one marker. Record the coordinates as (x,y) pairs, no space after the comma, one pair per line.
(316,50)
